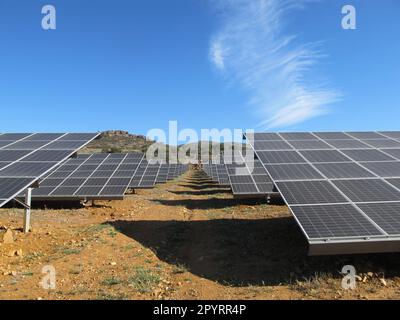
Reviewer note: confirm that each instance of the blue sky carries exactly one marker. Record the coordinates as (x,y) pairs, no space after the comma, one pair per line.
(135,65)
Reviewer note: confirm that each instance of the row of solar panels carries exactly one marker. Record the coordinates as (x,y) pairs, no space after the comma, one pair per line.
(244,181)
(343,188)
(103,176)
(26,157)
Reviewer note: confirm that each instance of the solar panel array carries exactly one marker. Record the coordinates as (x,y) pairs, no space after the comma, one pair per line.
(244,178)
(218,173)
(176,170)
(90,176)
(338,185)
(145,176)
(149,174)
(25,157)
(251,180)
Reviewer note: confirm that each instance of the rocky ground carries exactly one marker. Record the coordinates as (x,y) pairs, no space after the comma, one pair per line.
(187,239)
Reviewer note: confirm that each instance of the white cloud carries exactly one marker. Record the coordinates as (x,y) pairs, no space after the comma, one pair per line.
(252,49)
(216,55)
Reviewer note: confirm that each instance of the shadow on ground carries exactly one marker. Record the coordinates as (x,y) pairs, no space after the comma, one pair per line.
(201,192)
(209,203)
(245,252)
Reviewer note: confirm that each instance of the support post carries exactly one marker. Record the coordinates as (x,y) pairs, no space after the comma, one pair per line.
(27,215)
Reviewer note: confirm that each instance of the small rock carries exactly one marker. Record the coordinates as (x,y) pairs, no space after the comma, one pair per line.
(358,278)
(113,263)
(383,281)
(19,252)
(11,253)
(370,274)
(14,273)
(8,236)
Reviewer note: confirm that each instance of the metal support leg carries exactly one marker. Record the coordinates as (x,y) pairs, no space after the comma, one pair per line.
(27,216)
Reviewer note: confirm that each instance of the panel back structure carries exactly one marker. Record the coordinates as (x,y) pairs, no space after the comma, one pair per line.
(342,187)
(90,177)
(26,157)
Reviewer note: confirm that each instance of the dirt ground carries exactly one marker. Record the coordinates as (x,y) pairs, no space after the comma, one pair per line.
(187,239)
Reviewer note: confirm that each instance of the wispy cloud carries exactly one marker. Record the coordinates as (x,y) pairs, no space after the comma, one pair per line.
(252,48)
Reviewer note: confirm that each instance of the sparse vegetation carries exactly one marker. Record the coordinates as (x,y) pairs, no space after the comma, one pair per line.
(111,281)
(179,268)
(69,251)
(144,280)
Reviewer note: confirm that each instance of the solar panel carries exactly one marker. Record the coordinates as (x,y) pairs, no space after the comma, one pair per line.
(386,215)
(368,190)
(299,171)
(368,155)
(316,156)
(382,143)
(391,134)
(280,157)
(348,144)
(146,175)
(252,180)
(395,153)
(342,170)
(309,192)
(29,156)
(309,145)
(357,172)
(365,135)
(271,145)
(94,176)
(388,169)
(333,221)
